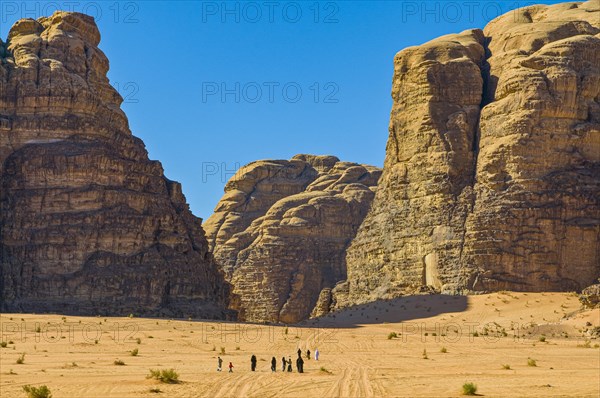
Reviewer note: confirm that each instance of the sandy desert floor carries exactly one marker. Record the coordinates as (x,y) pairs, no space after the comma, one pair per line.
(75,356)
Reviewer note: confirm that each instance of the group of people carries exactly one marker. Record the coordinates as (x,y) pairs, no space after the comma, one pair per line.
(220,365)
(286,364)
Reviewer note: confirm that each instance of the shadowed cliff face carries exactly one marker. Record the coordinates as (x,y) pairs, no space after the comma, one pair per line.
(88,223)
(281,231)
(492,172)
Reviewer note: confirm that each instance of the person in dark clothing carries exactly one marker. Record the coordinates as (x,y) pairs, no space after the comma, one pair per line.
(289,364)
(273,364)
(300,365)
(253,362)
(283,362)
(299,352)
(307,354)
(219,364)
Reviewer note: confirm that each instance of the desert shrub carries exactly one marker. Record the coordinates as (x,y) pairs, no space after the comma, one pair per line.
(586,344)
(443,350)
(325,370)
(37,392)
(165,375)
(155,390)
(134,352)
(222,350)
(506,367)
(392,335)
(118,362)
(425,354)
(531,362)
(21,359)
(3,344)
(138,340)
(542,339)
(469,389)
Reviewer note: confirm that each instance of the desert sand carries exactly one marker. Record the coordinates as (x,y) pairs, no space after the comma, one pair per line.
(74,356)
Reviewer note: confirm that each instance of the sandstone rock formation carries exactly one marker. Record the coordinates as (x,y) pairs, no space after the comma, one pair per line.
(281,231)
(88,223)
(590,296)
(492,172)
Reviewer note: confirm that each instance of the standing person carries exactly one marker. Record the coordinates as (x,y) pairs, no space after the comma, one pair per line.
(273,364)
(283,362)
(230,367)
(307,354)
(219,364)
(289,364)
(300,365)
(317,354)
(299,352)
(253,362)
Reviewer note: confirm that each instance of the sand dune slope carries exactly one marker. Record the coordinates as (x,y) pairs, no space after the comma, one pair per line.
(74,356)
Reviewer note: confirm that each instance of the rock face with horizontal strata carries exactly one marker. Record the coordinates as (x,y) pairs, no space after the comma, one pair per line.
(281,231)
(88,223)
(492,172)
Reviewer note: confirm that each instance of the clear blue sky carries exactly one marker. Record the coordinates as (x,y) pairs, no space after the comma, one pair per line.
(172,60)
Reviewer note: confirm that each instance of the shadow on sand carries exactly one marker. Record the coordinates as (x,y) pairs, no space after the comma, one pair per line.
(396,310)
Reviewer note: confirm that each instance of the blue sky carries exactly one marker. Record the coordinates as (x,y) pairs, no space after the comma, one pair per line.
(210,86)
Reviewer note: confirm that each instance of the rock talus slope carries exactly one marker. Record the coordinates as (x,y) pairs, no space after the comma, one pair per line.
(492,172)
(88,223)
(281,231)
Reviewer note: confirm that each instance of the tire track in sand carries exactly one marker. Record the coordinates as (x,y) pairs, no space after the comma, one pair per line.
(353,382)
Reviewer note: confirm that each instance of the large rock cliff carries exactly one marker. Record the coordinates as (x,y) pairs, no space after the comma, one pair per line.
(492,172)
(281,231)
(88,223)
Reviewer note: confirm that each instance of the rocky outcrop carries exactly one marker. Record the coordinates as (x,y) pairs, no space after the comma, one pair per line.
(88,223)
(590,296)
(492,172)
(281,231)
